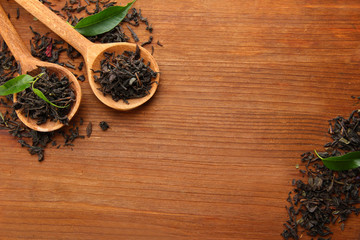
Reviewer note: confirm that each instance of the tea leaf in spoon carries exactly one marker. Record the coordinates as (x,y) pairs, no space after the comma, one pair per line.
(43,97)
(103,21)
(347,161)
(15,85)
(22,82)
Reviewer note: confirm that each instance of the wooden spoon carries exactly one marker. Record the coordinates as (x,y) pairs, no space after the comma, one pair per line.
(92,53)
(31,65)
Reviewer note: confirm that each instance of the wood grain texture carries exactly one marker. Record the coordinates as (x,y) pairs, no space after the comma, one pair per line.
(246,87)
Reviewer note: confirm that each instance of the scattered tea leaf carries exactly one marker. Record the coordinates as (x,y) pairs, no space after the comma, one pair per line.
(103,21)
(347,161)
(344,140)
(104,125)
(89,129)
(15,85)
(342,226)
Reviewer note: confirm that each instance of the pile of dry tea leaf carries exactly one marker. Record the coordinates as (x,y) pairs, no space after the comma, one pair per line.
(327,197)
(58,92)
(125,76)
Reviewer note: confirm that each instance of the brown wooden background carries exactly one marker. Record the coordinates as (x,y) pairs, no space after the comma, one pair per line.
(246,87)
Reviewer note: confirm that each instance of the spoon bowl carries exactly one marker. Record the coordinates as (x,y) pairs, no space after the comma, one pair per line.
(92,53)
(31,66)
(120,48)
(50,126)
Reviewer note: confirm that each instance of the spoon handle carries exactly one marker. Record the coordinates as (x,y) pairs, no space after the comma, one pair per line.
(13,40)
(56,24)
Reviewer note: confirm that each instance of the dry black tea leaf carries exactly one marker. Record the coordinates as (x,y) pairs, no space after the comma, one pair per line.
(104,125)
(327,197)
(50,98)
(125,76)
(89,129)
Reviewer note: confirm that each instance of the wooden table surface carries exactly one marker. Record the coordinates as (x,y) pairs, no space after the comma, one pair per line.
(246,87)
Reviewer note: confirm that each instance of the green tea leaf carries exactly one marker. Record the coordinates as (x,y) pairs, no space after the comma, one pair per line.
(347,161)
(43,97)
(103,21)
(15,85)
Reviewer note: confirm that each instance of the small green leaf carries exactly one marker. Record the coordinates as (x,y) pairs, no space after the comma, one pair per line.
(15,85)
(347,161)
(103,21)
(43,97)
